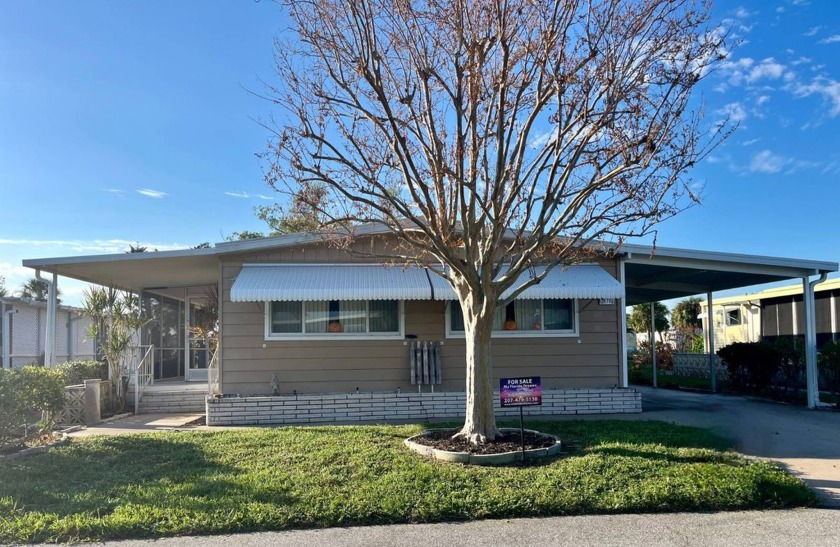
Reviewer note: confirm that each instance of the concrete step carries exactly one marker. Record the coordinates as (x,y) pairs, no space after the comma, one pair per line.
(171,402)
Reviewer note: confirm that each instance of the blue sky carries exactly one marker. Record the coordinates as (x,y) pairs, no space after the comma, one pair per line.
(132,122)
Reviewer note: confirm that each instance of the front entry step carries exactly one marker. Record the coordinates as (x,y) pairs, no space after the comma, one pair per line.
(172,402)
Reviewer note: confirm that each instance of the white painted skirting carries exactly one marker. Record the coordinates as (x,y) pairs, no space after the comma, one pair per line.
(389,406)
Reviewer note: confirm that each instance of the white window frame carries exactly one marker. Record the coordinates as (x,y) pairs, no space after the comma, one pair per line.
(573,333)
(270,336)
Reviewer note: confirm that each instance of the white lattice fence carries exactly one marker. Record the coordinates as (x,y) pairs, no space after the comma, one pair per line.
(74,409)
(696,365)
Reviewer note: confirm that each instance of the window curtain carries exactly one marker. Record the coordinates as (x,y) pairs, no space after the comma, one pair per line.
(558,314)
(528,315)
(384,316)
(317,316)
(352,314)
(285,317)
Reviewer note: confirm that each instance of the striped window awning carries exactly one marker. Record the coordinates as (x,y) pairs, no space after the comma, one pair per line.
(317,282)
(579,281)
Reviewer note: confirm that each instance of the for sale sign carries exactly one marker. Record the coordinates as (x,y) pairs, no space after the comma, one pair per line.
(525,391)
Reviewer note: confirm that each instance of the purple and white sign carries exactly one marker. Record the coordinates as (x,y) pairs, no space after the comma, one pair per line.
(526,391)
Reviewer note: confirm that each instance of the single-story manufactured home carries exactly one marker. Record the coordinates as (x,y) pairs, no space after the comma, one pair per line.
(309,333)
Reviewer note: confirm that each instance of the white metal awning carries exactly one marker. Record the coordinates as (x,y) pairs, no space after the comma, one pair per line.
(314,282)
(580,281)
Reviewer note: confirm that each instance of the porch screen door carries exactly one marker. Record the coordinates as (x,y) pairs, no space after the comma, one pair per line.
(197,355)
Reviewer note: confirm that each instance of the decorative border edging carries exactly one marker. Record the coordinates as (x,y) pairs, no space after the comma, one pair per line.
(31,451)
(483,459)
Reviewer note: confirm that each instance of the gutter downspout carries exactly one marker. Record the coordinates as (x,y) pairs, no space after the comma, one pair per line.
(49,346)
(811,373)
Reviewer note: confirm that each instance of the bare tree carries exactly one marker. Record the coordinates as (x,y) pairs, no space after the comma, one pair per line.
(492,135)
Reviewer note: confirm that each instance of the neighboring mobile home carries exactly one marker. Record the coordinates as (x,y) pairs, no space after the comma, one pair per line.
(23,333)
(774,312)
(339,336)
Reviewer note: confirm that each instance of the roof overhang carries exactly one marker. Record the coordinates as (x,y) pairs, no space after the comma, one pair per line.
(137,271)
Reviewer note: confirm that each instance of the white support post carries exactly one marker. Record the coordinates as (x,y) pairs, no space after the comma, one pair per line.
(52,304)
(810,343)
(653,341)
(622,310)
(7,339)
(710,320)
(833,302)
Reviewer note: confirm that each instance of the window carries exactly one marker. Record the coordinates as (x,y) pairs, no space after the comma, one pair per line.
(549,317)
(733,317)
(334,318)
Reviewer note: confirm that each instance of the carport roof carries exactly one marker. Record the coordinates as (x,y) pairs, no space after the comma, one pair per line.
(665,273)
(651,274)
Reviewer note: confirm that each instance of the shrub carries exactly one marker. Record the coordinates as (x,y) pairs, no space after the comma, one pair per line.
(29,393)
(751,365)
(664,356)
(76,372)
(790,353)
(698,344)
(829,362)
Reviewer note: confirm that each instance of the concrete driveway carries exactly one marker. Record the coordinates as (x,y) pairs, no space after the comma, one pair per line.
(806,442)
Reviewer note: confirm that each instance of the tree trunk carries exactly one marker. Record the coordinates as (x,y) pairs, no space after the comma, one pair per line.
(480,423)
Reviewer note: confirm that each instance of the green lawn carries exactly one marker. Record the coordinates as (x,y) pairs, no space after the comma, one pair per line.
(165,484)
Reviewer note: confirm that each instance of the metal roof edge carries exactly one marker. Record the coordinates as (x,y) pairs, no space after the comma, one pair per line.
(714,256)
(84,259)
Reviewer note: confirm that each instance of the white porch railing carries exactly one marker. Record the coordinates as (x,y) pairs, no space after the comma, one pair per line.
(213,373)
(144,374)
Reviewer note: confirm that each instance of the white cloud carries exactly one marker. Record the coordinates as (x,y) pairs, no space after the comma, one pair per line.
(828,88)
(541,139)
(148,192)
(766,69)
(733,112)
(749,142)
(801,61)
(89,246)
(742,12)
(767,162)
(113,190)
(762,100)
(833,39)
(813,30)
(269,198)
(237,194)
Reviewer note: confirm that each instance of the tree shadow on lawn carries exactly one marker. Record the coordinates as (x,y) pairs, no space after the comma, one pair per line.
(98,476)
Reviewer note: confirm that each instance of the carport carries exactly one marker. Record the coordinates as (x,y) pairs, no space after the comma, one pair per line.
(652,275)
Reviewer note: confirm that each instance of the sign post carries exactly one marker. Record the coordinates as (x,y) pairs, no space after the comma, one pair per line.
(521,392)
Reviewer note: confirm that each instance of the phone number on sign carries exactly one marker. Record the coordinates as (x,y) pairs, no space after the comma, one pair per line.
(531,399)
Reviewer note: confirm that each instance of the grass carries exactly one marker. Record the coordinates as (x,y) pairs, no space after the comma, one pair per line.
(644,376)
(165,484)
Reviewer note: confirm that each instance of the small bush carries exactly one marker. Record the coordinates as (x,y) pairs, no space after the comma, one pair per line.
(829,362)
(27,395)
(664,356)
(752,366)
(76,372)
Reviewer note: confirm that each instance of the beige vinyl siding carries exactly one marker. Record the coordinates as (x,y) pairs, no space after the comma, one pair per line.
(325,366)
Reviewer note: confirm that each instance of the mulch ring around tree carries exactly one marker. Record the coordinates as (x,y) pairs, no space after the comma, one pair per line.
(508,441)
